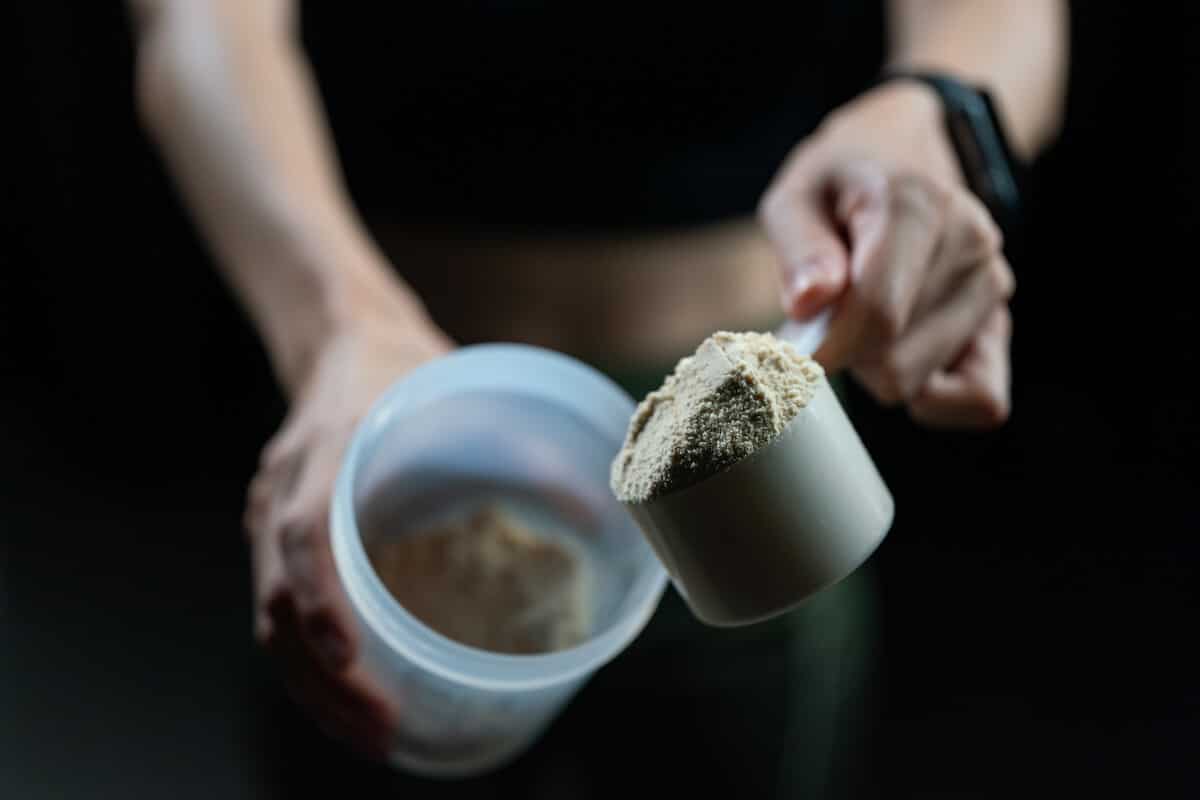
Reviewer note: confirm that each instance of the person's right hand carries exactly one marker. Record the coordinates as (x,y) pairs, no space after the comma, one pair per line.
(870,216)
(301,612)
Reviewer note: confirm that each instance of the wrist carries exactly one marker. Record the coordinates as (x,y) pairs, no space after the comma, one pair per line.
(978,136)
(903,123)
(328,300)
(912,105)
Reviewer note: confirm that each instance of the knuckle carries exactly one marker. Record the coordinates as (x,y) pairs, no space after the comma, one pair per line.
(985,237)
(893,379)
(1010,282)
(774,205)
(925,412)
(318,613)
(282,448)
(889,322)
(996,412)
(275,598)
(1000,279)
(264,636)
(267,633)
(891,191)
(887,395)
(271,454)
(990,408)
(981,234)
(884,318)
(911,193)
(258,501)
(257,493)
(882,385)
(297,532)
(251,522)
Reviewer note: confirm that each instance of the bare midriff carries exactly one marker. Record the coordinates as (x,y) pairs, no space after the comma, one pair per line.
(619,300)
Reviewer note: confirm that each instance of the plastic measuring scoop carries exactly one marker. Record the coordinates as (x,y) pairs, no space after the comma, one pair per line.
(787,521)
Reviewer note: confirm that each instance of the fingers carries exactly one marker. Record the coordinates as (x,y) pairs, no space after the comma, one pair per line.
(325,620)
(975,392)
(302,612)
(302,616)
(270,582)
(347,707)
(266,561)
(894,225)
(938,339)
(925,274)
(971,238)
(814,263)
(287,517)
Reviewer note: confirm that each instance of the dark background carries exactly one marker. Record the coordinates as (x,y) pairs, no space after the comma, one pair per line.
(1038,588)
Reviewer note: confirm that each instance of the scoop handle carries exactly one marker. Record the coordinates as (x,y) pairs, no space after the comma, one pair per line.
(807,336)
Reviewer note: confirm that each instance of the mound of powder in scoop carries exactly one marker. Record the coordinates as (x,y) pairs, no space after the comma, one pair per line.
(732,397)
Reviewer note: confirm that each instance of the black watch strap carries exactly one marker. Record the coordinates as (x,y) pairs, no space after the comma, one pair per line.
(977,135)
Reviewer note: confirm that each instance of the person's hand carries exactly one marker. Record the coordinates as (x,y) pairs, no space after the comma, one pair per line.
(871,215)
(301,612)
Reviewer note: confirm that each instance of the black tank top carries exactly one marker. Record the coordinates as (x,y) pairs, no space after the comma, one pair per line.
(118,342)
(539,113)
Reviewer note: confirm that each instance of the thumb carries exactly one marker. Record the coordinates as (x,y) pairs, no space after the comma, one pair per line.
(814,263)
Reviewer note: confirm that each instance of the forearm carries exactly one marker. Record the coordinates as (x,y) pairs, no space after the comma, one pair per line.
(226,94)
(1018,48)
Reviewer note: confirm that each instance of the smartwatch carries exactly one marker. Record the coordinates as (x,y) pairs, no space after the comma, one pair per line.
(977,135)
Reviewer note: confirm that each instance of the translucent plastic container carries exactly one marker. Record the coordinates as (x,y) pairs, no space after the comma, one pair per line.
(534,431)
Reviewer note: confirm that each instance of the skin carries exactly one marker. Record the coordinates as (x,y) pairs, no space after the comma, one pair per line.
(869,214)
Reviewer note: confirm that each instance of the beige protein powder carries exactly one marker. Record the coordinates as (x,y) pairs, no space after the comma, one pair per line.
(487,580)
(734,395)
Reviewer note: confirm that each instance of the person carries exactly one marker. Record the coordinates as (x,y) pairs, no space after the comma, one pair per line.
(869,214)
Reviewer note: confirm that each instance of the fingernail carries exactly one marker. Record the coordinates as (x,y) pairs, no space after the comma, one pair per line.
(801,283)
(811,272)
(804,300)
(823,264)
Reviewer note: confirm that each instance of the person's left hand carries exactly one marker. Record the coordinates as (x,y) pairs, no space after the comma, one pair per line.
(302,614)
(871,215)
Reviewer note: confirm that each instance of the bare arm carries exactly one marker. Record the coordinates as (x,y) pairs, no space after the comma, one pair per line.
(1016,47)
(870,216)
(225,92)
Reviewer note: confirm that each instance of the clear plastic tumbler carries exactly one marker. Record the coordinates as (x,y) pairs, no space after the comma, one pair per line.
(534,431)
